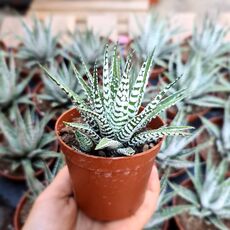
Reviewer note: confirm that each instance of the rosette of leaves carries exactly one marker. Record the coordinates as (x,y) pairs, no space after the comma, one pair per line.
(200,80)
(175,151)
(13,88)
(87,45)
(113,120)
(163,212)
(25,141)
(208,40)
(39,45)
(156,34)
(210,193)
(221,134)
(52,93)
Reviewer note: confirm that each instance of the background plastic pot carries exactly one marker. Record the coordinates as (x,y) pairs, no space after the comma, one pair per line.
(18,212)
(108,188)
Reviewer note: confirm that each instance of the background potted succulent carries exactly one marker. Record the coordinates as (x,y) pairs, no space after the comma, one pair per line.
(209,196)
(24,142)
(156,34)
(87,45)
(163,213)
(219,129)
(177,153)
(208,40)
(14,90)
(106,151)
(48,97)
(38,45)
(201,81)
(35,188)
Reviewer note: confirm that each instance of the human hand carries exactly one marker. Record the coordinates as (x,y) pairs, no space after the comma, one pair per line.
(55,208)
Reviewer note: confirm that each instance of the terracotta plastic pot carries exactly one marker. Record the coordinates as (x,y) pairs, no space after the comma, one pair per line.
(108,188)
(17,214)
(155,72)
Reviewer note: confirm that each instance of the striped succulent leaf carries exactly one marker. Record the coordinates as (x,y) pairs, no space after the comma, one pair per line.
(77,100)
(86,129)
(111,109)
(119,111)
(84,141)
(154,135)
(82,82)
(138,89)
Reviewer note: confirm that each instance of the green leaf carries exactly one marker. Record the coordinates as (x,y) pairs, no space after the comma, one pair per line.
(160,216)
(138,89)
(119,111)
(142,119)
(185,193)
(108,143)
(85,129)
(153,135)
(218,223)
(85,143)
(77,100)
(80,79)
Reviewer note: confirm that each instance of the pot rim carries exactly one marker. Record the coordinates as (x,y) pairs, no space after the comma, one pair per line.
(16,217)
(100,157)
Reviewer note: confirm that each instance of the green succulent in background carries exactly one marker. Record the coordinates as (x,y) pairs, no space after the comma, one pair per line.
(208,39)
(87,45)
(175,151)
(164,213)
(39,45)
(200,80)
(156,34)
(35,185)
(25,141)
(13,87)
(52,93)
(221,134)
(210,194)
(110,112)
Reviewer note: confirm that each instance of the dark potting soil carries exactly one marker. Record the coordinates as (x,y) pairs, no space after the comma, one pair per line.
(190,222)
(67,135)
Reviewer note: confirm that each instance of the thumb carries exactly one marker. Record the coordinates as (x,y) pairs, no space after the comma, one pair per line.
(61,185)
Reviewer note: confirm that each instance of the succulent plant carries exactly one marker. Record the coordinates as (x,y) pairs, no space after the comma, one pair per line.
(221,134)
(210,193)
(39,45)
(176,150)
(111,113)
(157,34)
(208,40)
(13,88)
(35,185)
(25,141)
(52,93)
(200,80)
(87,45)
(164,213)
